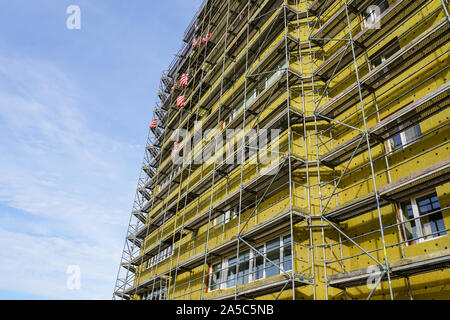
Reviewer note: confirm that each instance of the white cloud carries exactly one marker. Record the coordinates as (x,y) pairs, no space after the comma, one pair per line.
(38,265)
(76,182)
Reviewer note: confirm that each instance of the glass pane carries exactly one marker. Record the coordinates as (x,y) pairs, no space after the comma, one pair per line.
(219,220)
(273,254)
(231,274)
(413,134)
(272,78)
(237,110)
(234,212)
(258,270)
(163,294)
(227,216)
(244,268)
(434,222)
(155,295)
(287,253)
(409,227)
(284,64)
(251,97)
(262,85)
(385,53)
(390,52)
(396,142)
(216,276)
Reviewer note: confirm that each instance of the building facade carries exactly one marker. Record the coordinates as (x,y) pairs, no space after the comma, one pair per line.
(299,150)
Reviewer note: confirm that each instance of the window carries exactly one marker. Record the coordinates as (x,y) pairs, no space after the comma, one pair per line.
(385,53)
(215,278)
(287,253)
(157,294)
(231,273)
(237,110)
(244,268)
(251,97)
(422,219)
(219,220)
(252,265)
(273,254)
(258,268)
(403,138)
(163,255)
(270,79)
(226,217)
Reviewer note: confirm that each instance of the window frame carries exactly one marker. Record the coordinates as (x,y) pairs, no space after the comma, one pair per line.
(156,294)
(160,257)
(403,138)
(226,217)
(417,219)
(219,280)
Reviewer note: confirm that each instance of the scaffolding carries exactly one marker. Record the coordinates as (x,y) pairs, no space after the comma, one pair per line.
(329,198)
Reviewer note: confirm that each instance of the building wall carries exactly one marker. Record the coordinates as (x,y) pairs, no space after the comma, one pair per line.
(313,186)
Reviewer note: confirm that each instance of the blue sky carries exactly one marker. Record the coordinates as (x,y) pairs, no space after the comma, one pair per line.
(75,106)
